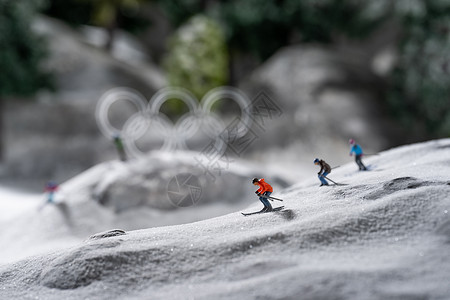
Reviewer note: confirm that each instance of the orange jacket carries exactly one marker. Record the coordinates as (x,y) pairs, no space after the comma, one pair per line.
(264,186)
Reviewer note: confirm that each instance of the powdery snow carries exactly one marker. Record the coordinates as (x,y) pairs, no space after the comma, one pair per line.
(134,196)
(384,235)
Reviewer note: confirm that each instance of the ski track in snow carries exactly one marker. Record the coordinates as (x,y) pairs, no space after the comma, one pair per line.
(385,235)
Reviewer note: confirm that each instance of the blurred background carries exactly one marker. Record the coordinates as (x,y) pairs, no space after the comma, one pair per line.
(318,72)
(375,71)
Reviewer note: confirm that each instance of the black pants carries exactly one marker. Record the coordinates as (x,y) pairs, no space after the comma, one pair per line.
(359,163)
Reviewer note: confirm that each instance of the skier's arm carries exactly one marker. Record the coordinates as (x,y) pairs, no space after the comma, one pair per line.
(352,150)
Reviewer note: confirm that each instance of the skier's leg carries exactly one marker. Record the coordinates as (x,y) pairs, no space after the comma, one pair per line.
(268,205)
(320,178)
(50,197)
(323,178)
(362,165)
(265,202)
(359,162)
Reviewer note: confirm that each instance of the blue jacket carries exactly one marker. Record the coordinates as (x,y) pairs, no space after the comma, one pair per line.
(356,149)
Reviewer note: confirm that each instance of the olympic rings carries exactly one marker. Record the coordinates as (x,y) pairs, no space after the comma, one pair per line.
(109,98)
(219,93)
(148,121)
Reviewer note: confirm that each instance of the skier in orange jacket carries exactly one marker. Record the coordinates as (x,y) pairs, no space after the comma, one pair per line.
(265,189)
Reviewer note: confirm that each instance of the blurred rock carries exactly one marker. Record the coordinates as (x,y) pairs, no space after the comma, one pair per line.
(56,135)
(84,71)
(326,96)
(168,181)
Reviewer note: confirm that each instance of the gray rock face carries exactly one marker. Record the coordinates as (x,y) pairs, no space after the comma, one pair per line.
(107,234)
(168,181)
(55,135)
(326,97)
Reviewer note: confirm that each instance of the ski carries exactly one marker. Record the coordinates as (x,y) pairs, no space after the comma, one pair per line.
(262,212)
(334,184)
(338,184)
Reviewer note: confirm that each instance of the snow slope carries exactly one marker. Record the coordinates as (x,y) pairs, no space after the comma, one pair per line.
(384,235)
(133,195)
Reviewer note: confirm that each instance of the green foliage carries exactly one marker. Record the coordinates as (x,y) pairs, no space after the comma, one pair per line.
(262,27)
(420,90)
(21,50)
(179,11)
(73,12)
(198,59)
(127,13)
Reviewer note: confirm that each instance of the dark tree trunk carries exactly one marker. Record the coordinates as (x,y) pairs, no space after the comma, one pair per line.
(111,32)
(205,4)
(231,73)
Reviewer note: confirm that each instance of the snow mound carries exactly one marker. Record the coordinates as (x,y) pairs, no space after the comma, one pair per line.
(130,195)
(147,182)
(383,235)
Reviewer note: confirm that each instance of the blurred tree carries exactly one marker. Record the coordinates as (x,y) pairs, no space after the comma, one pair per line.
(73,12)
(21,53)
(420,91)
(109,13)
(260,28)
(197,57)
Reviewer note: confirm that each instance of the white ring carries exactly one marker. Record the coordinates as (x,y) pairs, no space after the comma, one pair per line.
(109,98)
(149,117)
(240,98)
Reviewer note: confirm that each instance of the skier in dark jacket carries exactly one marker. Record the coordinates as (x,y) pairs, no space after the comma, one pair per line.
(265,189)
(325,169)
(355,148)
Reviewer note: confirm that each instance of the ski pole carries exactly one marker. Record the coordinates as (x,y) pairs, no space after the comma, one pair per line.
(335,167)
(275,198)
(330,180)
(271,198)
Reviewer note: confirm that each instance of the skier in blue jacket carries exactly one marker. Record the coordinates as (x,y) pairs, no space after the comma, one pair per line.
(355,148)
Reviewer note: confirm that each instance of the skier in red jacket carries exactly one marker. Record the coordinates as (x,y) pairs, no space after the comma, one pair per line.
(265,189)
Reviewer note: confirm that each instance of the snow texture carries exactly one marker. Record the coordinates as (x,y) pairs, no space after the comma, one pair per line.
(131,195)
(384,235)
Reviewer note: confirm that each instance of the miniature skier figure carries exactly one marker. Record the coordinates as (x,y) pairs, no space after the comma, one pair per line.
(119,146)
(325,169)
(50,188)
(355,148)
(265,189)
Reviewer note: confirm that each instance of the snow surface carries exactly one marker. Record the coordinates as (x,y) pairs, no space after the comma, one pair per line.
(384,235)
(133,194)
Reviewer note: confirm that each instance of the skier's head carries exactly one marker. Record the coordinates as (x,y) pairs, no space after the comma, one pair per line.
(351,141)
(51,183)
(316,161)
(255,180)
